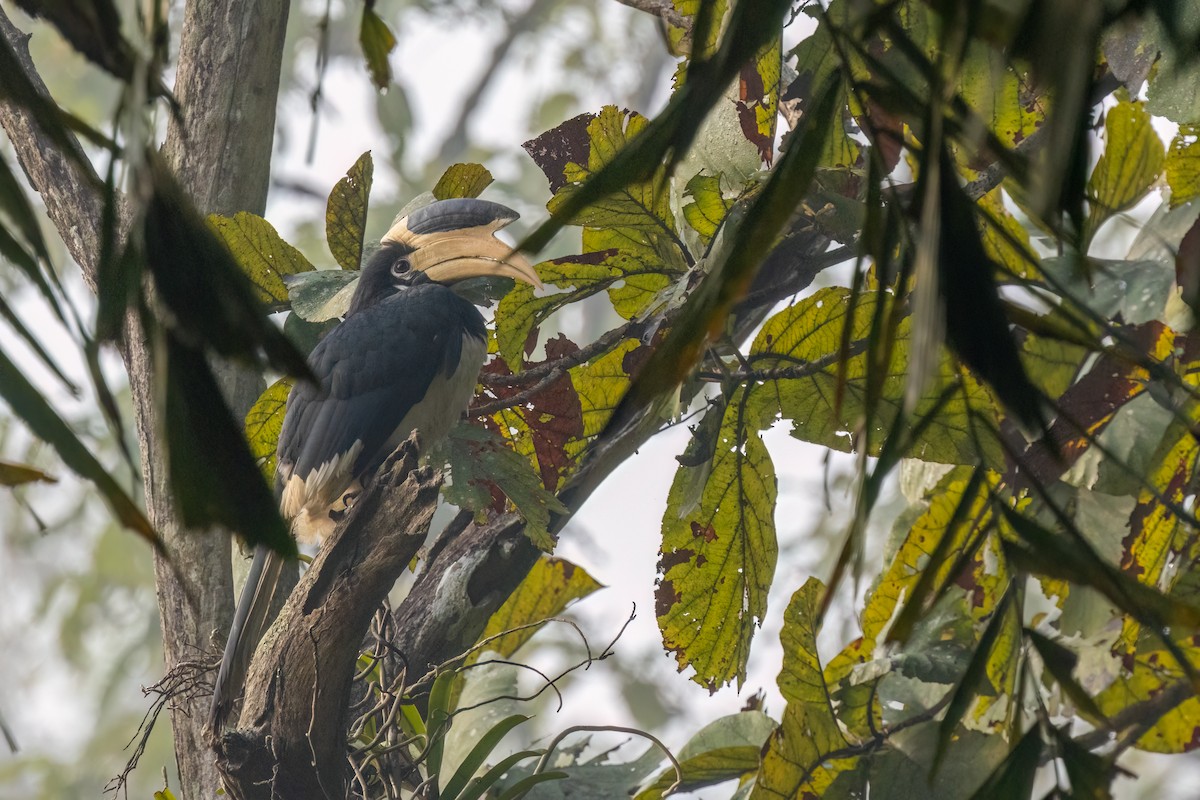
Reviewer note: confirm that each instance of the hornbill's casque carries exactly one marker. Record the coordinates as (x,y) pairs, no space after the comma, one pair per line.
(405,358)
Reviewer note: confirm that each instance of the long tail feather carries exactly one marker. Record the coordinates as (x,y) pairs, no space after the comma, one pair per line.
(249,624)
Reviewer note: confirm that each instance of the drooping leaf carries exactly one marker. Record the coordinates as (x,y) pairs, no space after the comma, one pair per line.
(758,99)
(641,204)
(550,587)
(708,305)
(1091,774)
(708,208)
(976,326)
(545,426)
(748,28)
(462,180)
(1061,662)
(1014,777)
(377,42)
(264,421)
(1150,673)
(214,479)
(94,29)
(12,474)
(262,254)
(718,558)
(28,404)
(632,271)
(973,680)
(210,300)
(823,392)
(809,731)
(346,212)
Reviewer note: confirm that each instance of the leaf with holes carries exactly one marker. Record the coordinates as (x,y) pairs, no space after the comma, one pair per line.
(1182,165)
(481,463)
(718,557)
(346,213)
(550,587)
(462,180)
(264,421)
(262,254)
(809,731)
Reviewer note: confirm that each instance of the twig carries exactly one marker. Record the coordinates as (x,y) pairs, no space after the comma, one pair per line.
(663,9)
(545,759)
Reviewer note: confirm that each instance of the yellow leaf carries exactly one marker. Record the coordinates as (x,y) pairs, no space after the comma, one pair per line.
(264,421)
(462,180)
(1183,165)
(551,586)
(346,213)
(1132,160)
(261,253)
(718,559)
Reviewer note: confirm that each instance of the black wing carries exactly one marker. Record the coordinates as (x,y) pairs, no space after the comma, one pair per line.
(374,367)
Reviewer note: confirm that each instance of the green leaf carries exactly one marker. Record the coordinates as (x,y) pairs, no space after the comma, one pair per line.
(724,749)
(809,731)
(624,262)
(28,404)
(525,785)
(637,204)
(732,271)
(261,253)
(486,781)
(440,696)
(718,559)
(17,474)
(210,300)
(1014,777)
(346,213)
(462,180)
(1154,671)
(322,294)
(974,680)
(825,395)
(1132,160)
(1174,89)
(1091,775)
(377,42)
(1182,165)
(708,208)
(1060,662)
(479,460)
(264,421)
(479,753)
(550,587)
(214,479)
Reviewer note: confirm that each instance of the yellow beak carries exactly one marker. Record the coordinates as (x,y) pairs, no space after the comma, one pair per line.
(452,240)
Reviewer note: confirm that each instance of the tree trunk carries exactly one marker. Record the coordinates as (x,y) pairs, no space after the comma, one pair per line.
(227,84)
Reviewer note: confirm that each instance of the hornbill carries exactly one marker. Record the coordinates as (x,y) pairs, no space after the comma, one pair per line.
(406,357)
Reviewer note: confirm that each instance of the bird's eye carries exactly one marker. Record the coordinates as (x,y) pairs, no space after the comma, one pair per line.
(400,267)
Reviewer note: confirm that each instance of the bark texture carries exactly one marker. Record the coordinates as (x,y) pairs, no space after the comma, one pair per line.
(291,735)
(227,85)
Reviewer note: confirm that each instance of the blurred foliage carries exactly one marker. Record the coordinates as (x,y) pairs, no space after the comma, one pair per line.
(1040,598)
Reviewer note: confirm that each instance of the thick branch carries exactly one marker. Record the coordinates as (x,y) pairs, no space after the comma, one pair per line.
(291,738)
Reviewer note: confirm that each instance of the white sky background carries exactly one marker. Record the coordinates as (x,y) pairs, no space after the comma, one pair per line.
(617,534)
